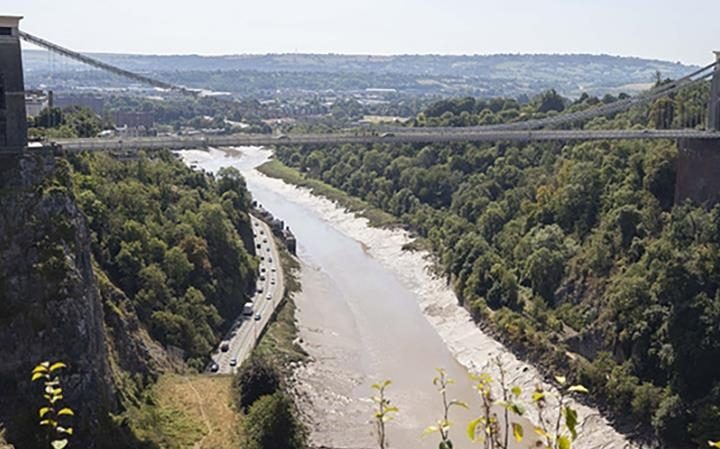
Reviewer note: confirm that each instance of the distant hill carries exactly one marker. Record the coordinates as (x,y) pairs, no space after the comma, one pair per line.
(503,74)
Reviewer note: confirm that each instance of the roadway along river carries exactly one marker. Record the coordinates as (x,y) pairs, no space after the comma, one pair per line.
(362,322)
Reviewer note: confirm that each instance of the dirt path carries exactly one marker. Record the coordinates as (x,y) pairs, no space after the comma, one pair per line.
(199,444)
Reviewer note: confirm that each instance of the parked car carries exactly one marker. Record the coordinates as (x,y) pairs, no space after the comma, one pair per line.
(214,368)
(257,317)
(225,347)
(233,362)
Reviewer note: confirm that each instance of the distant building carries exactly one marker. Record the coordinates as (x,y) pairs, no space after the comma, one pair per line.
(35,102)
(135,131)
(135,119)
(96,103)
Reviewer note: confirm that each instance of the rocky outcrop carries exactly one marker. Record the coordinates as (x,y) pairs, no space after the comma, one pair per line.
(51,308)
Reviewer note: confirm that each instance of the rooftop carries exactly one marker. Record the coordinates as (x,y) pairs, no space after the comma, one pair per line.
(10,21)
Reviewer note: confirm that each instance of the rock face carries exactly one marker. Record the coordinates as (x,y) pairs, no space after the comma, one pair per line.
(51,308)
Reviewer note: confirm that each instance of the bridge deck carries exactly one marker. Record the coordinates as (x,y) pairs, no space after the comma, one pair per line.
(416,135)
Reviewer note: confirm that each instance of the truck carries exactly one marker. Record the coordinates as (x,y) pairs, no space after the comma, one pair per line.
(248,309)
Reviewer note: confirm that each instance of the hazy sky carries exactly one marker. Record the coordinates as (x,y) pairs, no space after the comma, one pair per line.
(679,31)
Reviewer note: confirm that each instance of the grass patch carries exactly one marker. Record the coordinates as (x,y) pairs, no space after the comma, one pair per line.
(377,217)
(182,411)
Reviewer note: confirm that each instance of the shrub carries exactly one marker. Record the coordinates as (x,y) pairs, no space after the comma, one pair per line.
(271,424)
(256,377)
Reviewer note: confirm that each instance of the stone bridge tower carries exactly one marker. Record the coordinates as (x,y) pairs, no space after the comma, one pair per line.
(698,164)
(13,122)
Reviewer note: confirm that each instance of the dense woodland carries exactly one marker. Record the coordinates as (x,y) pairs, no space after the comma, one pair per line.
(566,249)
(175,241)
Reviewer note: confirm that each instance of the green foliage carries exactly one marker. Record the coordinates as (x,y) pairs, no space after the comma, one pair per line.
(489,429)
(441,382)
(271,423)
(256,377)
(540,239)
(170,238)
(384,412)
(73,121)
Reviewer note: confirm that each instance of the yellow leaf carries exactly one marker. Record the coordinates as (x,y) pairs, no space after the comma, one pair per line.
(541,432)
(517,432)
(57,366)
(67,430)
(563,442)
(39,369)
(578,389)
(561,380)
(66,411)
(715,444)
(472,428)
(38,375)
(59,444)
(44,411)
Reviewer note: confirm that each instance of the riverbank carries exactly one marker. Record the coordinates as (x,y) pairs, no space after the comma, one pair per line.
(279,342)
(376,217)
(469,344)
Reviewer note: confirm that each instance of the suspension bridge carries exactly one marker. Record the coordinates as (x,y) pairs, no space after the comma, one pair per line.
(697,133)
(541,129)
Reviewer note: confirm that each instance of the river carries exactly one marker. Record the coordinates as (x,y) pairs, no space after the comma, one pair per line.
(369,311)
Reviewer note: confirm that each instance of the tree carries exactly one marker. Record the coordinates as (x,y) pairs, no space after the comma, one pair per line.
(255,378)
(550,101)
(543,271)
(271,424)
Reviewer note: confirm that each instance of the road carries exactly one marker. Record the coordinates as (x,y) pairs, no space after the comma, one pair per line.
(246,330)
(412,135)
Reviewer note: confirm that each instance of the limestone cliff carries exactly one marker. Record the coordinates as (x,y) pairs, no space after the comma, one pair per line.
(55,305)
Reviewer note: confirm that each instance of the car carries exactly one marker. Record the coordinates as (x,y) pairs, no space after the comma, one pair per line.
(262,232)
(214,368)
(268,296)
(262,257)
(258,246)
(265,240)
(282,137)
(269,259)
(262,270)
(259,289)
(384,135)
(273,269)
(225,347)
(262,277)
(267,249)
(272,281)
(233,362)
(257,317)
